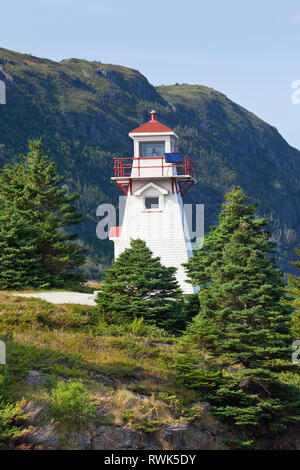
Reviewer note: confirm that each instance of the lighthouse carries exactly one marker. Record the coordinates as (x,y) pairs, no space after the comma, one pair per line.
(154,181)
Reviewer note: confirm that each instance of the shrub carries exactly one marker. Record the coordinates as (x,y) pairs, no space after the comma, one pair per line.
(142,413)
(137,327)
(37,313)
(11,417)
(70,402)
(22,358)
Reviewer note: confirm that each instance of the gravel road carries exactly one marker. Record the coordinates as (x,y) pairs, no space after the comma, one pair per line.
(64,297)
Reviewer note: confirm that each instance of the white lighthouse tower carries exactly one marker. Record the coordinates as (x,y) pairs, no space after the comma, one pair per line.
(154,180)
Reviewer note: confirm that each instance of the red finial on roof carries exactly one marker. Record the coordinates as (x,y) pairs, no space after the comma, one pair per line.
(152,126)
(153,113)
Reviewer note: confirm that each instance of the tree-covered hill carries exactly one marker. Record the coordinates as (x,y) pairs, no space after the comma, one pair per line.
(84,110)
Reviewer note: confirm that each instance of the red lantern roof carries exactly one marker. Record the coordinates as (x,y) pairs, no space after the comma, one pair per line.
(152,126)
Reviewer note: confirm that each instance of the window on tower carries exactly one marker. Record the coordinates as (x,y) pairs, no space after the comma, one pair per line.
(151,203)
(152,149)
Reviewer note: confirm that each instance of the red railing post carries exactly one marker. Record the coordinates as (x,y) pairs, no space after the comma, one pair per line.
(123,166)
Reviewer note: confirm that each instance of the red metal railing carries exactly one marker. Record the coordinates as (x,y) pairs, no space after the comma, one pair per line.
(123,166)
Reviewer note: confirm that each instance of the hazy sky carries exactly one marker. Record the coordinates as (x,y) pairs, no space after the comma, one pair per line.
(247,49)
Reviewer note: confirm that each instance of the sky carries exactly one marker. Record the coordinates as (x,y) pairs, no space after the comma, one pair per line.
(247,49)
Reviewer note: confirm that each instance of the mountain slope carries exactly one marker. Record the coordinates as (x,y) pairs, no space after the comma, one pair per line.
(84,111)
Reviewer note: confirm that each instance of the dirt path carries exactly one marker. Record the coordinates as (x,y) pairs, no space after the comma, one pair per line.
(64,297)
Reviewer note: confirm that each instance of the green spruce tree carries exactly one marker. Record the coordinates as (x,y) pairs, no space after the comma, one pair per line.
(294,289)
(138,285)
(36,250)
(234,349)
(20,264)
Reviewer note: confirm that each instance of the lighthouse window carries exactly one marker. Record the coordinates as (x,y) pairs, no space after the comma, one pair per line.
(152,149)
(151,203)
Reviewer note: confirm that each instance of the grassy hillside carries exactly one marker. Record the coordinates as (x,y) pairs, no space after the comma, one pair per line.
(128,371)
(85,384)
(84,111)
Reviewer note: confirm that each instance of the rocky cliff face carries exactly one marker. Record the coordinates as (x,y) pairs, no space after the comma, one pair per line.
(84,111)
(46,434)
(182,437)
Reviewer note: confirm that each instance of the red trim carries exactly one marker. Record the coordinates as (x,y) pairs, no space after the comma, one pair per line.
(179,186)
(151,211)
(176,186)
(115,232)
(122,187)
(124,165)
(125,186)
(123,168)
(187,188)
(182,185)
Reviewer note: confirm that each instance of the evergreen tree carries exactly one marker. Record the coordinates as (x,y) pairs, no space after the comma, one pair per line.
(294,288)
(20,265)
(138,285)
(240,340)
(35,210)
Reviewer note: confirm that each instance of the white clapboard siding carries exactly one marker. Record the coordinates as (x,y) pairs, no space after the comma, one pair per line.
(148,167)
(163,230)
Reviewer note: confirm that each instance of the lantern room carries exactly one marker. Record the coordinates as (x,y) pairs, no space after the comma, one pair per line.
(153,139)
(154,156)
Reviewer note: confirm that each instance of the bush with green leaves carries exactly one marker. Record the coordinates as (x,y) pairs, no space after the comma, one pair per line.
(70,402)
(12,416)
(138,327)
